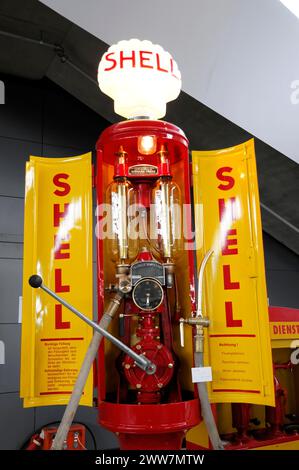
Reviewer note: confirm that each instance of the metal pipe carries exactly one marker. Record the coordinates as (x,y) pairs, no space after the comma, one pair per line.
(206,410)
(30,40)
(200,322)
(123,231)
(165,219)
(200,283)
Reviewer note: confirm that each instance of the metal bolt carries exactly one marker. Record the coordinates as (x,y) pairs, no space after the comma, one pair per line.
(156,327)
(160,385)
(138,385)
(170,365)
(159,346)
(138,346)
(128,366)
(157,337)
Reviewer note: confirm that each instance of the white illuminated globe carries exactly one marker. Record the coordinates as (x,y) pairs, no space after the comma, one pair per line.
(140,77)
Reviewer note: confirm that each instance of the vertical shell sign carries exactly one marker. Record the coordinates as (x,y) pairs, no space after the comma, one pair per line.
(227,219)
(58,247)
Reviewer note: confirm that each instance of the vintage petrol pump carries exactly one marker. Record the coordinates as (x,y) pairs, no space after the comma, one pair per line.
(145,281)
(147,394)
(143,187)
(147,162)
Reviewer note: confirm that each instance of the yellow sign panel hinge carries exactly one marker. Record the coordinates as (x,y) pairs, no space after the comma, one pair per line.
(247,150)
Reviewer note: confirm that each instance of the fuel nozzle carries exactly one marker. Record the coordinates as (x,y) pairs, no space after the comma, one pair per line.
(197,319)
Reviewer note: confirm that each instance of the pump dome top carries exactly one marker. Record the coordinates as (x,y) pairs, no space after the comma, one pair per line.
(141,77)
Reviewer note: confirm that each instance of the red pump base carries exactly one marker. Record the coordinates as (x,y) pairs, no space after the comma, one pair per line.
(150,427)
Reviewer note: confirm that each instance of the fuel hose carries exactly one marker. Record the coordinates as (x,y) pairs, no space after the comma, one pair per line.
(206,410)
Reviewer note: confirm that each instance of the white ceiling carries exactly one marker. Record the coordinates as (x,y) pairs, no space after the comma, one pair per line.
(238,57)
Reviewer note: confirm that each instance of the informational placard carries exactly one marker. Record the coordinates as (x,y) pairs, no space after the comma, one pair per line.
(227,218)
(58,247)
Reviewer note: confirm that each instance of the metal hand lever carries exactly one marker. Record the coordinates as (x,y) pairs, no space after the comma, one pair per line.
(36,281)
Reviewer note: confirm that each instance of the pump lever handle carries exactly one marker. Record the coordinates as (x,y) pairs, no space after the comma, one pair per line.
(144,363)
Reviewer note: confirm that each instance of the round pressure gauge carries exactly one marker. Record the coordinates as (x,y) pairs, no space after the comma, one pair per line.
(148,294)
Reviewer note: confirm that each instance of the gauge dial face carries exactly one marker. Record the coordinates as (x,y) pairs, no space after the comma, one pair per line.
(148,294)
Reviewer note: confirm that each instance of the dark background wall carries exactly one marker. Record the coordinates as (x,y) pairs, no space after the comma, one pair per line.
(39,118)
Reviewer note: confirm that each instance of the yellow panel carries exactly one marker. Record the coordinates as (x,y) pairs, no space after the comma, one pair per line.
(227,218)
(58,203)
(198,435)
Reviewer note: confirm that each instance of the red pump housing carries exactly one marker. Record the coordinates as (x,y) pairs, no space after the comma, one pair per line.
(146,163)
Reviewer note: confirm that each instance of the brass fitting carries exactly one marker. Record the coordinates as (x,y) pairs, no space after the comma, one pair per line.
(200,323)
(123,276)
(169,271)
(199,339)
